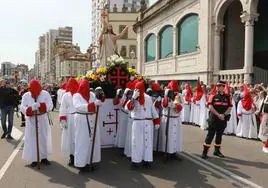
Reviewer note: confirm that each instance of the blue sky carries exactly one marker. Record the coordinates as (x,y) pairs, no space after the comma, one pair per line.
(23,21)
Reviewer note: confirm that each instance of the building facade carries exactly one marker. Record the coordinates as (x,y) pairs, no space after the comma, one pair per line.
(7,69)
(22,71)
(219,39)
(46,57)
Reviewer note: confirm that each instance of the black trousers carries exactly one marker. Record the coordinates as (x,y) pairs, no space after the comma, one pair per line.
(22,119)
(217,127)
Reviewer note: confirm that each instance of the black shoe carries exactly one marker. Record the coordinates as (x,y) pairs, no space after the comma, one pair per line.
(71,160)
(218,153)
(84,169)
(4,135)
(45,162)
(134,166)
(205,152)
(9,137)
(146,164)
(22,125)
(174,156)
(34,164)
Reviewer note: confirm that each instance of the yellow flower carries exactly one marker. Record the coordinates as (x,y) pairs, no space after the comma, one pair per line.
(132,71)
(101,70)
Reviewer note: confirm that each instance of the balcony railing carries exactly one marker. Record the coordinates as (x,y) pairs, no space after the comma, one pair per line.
(234,77)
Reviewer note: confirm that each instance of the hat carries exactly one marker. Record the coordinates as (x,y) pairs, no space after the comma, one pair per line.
(220,83)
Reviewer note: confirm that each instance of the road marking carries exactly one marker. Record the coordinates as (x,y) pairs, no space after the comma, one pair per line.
(219,170)
(17,134)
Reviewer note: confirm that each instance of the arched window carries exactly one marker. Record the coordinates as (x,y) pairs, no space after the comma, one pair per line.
(166,42)
(188,35)
(150,48)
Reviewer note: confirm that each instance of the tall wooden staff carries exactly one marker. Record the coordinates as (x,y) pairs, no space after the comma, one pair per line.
(167,128)
(37,138)
(94,137)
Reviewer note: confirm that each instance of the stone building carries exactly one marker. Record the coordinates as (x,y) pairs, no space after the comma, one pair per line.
(210,39)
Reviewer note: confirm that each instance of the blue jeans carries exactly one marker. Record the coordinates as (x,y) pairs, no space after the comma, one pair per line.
(7,111)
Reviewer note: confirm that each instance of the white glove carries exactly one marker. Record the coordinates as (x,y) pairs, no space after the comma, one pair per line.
(159,99)
(118,91)
(35,106)
(136,94)
(157,127)
(126,91)
(63,124)
(98,103)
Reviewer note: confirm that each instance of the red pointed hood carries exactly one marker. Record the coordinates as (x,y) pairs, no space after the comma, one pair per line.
(213,92)
(173,85)
(63,85)
(35,88)
(141,88)
(155,87)
(247,100)
(199,91)
(84,89)
(130,85)
(227,89)
(188,95)
(72,86)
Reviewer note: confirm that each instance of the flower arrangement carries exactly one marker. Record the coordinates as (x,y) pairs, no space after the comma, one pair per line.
(115,60)
(92,76)
(101,70)
(132,71)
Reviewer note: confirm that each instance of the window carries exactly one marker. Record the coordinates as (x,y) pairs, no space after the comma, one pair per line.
(121,28)
(150,43)
(188,35)
(132,48)
(123,51)
(166,42)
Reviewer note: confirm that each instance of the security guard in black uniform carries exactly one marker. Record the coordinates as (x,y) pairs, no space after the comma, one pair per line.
(220,106)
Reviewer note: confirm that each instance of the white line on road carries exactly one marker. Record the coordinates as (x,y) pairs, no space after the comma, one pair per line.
(219,169)
(17,135)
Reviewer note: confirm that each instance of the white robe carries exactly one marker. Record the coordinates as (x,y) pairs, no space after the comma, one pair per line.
(83,141)
(263,134)
(142,131)
(175,141)
(45,141)
(192,111)
(186,112)
(127,149)
(122,128)
(68,135)
(232,123)
(196,115)
(203,113)
(60,93)
(247,125)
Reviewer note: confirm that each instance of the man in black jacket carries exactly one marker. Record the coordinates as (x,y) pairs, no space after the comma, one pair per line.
(8,98)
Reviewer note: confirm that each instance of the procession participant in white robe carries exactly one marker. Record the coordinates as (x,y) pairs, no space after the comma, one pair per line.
(36,102)
(85,107)
(156,99)
(192,112)
(203,109)
(232,123)
(197,100)
(259,105)
(128,93)
(247,125)
(263,134)
(61,92)
(187,104)
(66,116)
(145,119)
(120,101)
(172,101)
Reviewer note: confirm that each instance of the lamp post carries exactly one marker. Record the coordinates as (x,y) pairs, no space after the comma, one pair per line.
(132,55)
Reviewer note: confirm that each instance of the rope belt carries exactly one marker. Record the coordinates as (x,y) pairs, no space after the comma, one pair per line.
(134,119)
(39,114)
(124,111)
(247,114)
(171,116)
(83,113)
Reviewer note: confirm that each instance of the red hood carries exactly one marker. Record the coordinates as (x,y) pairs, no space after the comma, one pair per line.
(188,95)
(247,100)
(35,88)
(141,88)
(84,89)
(199,92)
(63,85)
(72,86)
(173,85)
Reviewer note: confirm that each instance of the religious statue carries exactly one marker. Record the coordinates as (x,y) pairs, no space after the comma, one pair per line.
(108,39)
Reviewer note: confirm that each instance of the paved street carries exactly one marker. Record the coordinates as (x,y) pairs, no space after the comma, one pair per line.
(244,166)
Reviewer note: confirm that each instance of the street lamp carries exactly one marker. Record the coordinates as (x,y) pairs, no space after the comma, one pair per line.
(132,55)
